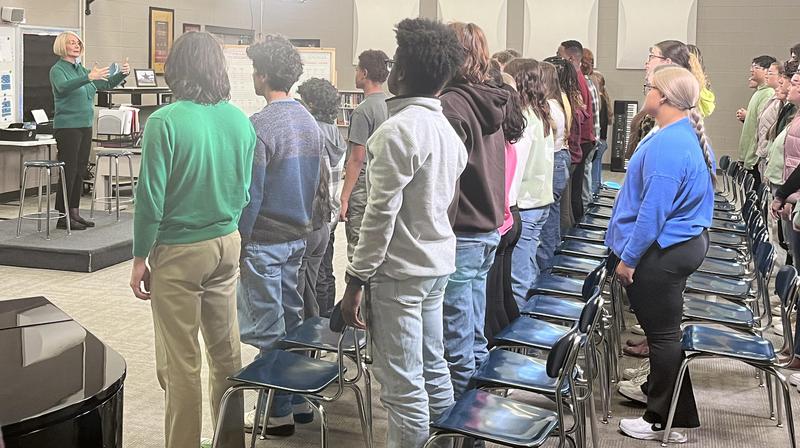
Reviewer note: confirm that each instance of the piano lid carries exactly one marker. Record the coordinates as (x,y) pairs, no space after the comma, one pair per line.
(29,311)
(52,370)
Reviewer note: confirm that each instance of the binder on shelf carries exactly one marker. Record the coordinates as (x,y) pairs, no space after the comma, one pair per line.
(122,121)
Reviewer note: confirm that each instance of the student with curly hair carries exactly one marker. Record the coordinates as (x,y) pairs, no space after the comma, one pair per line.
(371,73)
(317,284)
(407,247)
(276,222)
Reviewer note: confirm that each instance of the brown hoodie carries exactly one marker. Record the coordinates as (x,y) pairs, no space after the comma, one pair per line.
(476,112)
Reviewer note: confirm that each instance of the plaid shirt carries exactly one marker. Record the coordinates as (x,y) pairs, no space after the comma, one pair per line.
(595,106)
(335,190)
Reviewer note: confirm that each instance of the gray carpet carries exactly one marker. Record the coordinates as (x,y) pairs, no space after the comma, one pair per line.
(733,408)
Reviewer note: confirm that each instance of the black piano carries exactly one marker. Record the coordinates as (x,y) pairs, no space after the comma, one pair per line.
(60,386)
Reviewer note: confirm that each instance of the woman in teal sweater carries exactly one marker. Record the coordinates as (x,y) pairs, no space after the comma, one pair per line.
(74,87)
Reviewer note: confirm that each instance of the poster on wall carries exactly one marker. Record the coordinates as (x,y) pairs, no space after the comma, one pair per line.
(162,33)
(636,34)
(549,23)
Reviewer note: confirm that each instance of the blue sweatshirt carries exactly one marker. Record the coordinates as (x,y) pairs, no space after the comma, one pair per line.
(667,198)
(286,163)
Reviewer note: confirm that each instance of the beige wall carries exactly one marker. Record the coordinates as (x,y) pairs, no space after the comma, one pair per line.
(730,33)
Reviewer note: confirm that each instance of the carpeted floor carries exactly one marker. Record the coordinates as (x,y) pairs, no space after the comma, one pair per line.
(733,408)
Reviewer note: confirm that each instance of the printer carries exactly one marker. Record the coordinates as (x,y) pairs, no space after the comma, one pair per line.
(18,132)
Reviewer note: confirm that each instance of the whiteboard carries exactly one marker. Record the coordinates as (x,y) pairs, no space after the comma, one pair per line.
(10,101)
(490,15)
(374,22)
(636,34)
(548,23)
(317,63)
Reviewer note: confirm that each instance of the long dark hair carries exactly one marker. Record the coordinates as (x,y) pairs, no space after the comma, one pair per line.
(532,91)
(568,80)
(196,69)
(514,123)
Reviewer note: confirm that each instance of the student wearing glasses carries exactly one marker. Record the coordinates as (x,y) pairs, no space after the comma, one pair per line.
(658,233)
(749,116)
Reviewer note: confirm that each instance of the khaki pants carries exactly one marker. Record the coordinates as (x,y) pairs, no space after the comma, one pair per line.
(193,287)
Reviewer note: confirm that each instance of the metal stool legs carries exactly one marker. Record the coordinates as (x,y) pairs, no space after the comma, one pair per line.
(113,194)
(46,171)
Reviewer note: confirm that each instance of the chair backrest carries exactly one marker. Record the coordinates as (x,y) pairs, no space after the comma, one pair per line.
(724,162)
(765,258)
(785,280)
(595,278)
(590,312)
(560,353)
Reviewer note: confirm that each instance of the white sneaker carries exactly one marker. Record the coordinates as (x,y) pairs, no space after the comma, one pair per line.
(640,429)
(642,369)
(637,329)
(794,379)
(632,391)
(777,329)
(776,310)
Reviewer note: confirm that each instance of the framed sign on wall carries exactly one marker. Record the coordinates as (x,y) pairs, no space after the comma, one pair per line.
(162,34)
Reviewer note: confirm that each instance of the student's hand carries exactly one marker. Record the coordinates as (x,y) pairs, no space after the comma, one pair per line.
(785,212)
(98,73)
(126,68)
(343,210)
(351,306)
(140,279)
(625,273)
(775,208)
(741,114)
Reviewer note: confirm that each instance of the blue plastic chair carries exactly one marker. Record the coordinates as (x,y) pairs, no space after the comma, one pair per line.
(491,418)
(592,236)
(583,249)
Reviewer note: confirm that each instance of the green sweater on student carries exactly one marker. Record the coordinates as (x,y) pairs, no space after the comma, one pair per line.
(747,142)
(74,94)
(197,162)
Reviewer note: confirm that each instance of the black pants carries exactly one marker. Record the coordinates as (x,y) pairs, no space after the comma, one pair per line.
(576,182)
(74,145)
(326,281)
(656,296)
(501,307)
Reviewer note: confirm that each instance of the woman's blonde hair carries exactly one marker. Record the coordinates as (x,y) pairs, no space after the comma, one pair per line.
(60,44)
(681,90)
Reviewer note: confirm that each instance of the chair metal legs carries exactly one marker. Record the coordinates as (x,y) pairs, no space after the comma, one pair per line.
(22,201)
(364,415)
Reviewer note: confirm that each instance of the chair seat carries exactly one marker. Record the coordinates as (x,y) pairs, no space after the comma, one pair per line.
(42,163)
(725,268)
(552,307)
(727,215)
(718,252)
(574,265)
(559,285)
(315,333)
(600,212)
(601,201)
(576,233)
(719,312)
(724,206)
(289,372)
(517,371)
(726,238)
(594,223)
(713,284)
(729,226)
(531,332)
(583,248)
(728,343)
(482,415)
(605,193)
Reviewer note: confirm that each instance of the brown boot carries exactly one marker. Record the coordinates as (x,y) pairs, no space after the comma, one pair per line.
(639,351)
(74,214)
(635,343)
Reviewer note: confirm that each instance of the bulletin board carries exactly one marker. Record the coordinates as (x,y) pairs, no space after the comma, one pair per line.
(317,63)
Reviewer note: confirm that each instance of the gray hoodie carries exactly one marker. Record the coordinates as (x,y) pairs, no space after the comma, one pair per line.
(414,160)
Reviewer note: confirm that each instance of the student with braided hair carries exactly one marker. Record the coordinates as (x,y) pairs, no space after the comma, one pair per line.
(658,235)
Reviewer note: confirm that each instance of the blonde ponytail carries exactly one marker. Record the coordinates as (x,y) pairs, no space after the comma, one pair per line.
(700,130)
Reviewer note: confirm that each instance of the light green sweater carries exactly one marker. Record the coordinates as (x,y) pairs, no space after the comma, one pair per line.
(197,162)
(747,142)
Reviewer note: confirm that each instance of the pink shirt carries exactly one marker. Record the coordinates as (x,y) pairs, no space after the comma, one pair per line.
(511,166)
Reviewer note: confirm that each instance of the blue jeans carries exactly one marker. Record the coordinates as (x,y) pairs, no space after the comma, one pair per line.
(551,232)
(597,166)
(465,345)
(408,355)
(268,302)
(524,270)
(586,192)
